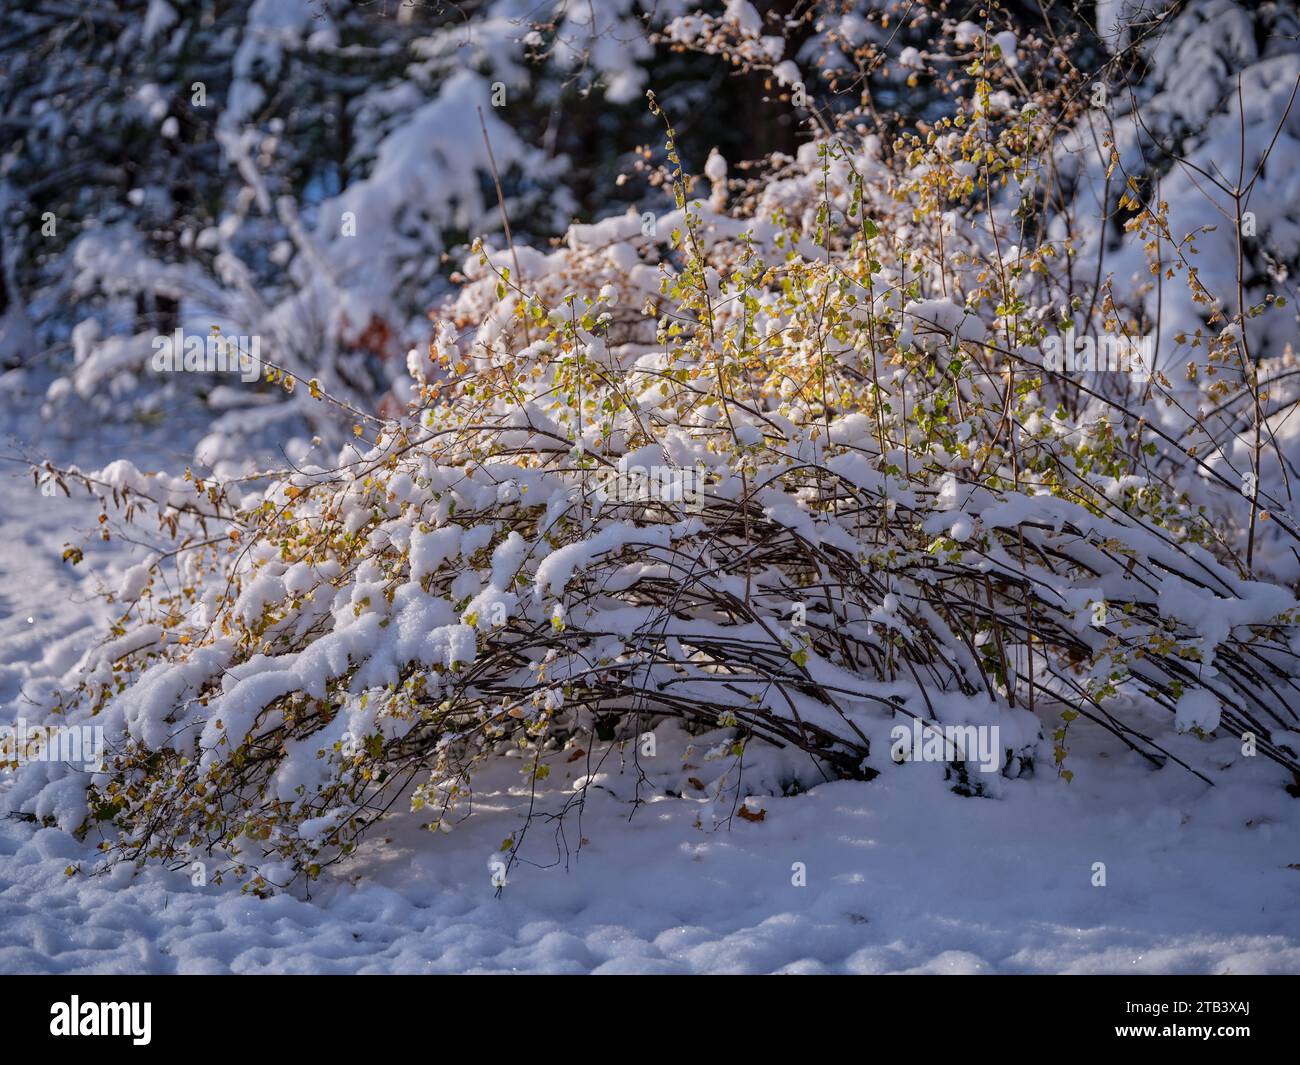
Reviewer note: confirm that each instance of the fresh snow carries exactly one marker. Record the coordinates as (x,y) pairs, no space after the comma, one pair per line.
(902,875)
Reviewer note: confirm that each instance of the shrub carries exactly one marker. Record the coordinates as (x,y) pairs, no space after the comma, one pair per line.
(872,507)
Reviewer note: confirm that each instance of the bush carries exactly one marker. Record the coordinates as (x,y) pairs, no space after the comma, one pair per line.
(791,466)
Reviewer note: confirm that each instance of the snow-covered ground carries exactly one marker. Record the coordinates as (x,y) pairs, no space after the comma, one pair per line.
(901,875)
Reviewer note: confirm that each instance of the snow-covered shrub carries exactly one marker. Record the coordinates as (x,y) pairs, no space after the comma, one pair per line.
(877,501)
(876,510)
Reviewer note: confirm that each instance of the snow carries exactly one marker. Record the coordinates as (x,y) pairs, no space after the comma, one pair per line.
(556,570)
(700,853)
(787,73)
(159,18)
(133,583)
(1199,709)
(715,167)
(902,875)
(944,316)
(1007,44)
(746,18)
